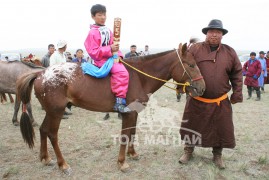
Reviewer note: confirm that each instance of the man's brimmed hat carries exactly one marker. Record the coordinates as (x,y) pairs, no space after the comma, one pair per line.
(215,24)
(61,44)
(261,52)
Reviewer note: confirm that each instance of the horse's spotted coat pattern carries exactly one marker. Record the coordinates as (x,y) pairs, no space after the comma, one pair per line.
(59,73)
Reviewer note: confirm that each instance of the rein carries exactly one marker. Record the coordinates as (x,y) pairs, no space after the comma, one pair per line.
(175,83)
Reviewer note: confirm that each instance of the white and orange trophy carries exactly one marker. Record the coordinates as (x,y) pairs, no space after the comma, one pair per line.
(116,34)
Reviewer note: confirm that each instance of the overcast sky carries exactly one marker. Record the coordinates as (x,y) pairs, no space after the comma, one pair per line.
(160,24)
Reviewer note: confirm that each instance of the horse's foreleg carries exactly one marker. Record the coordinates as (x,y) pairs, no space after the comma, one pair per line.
(16,109)
(54,124)
(131,151)
(29,110)
(124,140)
(11,98)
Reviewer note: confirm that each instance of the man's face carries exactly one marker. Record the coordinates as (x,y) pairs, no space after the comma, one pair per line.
(146,48)
(51,49)
(99,18)
(267,55)
(261,55)
(214,36)
(133,49)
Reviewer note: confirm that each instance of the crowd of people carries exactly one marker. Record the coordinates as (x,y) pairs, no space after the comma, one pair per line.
(211,114)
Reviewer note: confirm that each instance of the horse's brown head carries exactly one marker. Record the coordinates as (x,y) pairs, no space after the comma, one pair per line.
(191,72)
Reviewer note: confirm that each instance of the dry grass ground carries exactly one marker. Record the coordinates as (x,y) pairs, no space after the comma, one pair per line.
(87,143)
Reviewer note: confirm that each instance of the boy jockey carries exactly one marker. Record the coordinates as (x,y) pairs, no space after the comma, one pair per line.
(99,45)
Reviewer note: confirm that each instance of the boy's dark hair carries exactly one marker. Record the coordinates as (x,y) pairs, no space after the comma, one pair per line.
(252,54)
(98,8)
(79,50)
(133,46)
(50,45)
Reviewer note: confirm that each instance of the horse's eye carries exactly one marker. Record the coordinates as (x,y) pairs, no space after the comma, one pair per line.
(191,65)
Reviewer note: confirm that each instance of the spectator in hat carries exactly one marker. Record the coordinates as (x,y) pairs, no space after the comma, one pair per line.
(252,71)
(211,114)
(58,56)
(264,70)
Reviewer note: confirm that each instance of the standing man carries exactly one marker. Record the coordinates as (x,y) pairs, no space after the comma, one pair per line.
(132,52)
(264,70)
(210,117)
(46,59)
(252,70)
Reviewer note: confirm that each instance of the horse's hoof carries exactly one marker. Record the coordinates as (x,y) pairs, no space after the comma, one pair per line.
(34,124)
(123,167)
(134,157)
(51,163)
(16,123)
(48,163)
(67,171)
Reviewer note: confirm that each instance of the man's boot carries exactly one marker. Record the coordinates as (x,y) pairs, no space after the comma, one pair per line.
(217,157)
(249,93)
(120,105)
(258,95)
(185,158)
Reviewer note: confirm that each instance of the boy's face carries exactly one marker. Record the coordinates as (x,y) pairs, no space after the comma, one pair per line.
(79,54)
(99,18)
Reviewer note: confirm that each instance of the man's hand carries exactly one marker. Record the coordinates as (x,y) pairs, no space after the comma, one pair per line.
(114,47)
(255,76)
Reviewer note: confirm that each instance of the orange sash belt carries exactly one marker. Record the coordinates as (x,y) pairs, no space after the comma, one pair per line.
(217,100)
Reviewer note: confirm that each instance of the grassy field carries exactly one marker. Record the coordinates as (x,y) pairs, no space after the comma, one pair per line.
(88,144)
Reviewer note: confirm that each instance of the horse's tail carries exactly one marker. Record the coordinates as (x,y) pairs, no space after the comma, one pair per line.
(24,90)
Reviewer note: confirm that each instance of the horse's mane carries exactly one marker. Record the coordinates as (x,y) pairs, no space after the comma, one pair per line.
(32,65)
(149,57)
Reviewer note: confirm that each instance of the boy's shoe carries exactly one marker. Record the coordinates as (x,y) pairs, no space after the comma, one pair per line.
(120,105)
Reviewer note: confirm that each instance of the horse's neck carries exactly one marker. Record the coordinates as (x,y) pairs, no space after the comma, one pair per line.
(157,67)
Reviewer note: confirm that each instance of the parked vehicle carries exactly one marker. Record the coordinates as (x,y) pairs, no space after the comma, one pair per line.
(10,57)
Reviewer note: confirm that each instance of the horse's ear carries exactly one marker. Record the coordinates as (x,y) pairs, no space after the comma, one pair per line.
(184,48)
